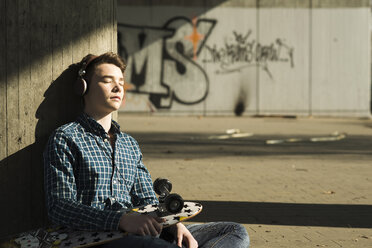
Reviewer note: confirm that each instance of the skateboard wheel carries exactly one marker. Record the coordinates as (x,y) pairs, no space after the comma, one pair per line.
(162,186)
(174,203)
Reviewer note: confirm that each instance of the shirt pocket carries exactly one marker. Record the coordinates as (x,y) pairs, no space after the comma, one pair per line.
(128,170)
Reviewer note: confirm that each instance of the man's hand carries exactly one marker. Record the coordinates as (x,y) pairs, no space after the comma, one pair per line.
(184,236)
(141,224)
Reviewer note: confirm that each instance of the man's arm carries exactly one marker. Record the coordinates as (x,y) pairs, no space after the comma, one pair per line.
(142,192)
(60,188)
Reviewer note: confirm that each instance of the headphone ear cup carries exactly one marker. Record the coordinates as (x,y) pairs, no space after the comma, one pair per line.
(81,86)
(85,86)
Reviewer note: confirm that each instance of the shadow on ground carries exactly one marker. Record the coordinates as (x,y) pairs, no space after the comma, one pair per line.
(268,213)
(194,145)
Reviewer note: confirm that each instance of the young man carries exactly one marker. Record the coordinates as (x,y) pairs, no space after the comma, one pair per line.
(94,173)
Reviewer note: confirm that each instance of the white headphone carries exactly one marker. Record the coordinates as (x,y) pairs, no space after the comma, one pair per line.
(81,85)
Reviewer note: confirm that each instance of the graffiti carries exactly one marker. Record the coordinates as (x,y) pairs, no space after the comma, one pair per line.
(240,52)
(162,61)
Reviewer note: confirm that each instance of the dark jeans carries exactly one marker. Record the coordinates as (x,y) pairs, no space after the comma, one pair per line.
(215,234)
(220,234)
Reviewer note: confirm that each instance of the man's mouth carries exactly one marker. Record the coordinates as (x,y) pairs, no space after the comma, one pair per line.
(116,98)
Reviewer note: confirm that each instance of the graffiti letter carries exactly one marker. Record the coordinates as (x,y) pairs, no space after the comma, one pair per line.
(186,79)
(143,47)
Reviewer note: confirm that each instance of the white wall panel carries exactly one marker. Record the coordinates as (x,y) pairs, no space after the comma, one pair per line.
(283,58)
(284,68)
(230,60)
(340,61)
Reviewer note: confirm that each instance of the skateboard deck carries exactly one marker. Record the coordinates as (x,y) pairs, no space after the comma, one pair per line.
(62,237)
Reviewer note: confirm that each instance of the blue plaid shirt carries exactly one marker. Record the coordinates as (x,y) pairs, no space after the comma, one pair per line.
(88,184)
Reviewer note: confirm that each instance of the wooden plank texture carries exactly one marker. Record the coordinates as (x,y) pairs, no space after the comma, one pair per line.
(42,40)
(3,123)
(66,32)
(26,116)
(12,77)
(4,179)
(12,112)
(101,22)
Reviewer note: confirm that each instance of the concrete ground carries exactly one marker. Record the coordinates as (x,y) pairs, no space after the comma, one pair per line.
(292,182)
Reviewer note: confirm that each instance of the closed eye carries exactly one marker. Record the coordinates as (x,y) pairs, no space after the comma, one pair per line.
(110,79)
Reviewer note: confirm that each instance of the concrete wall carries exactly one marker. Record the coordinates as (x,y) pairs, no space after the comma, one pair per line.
(40,42)
(261,57)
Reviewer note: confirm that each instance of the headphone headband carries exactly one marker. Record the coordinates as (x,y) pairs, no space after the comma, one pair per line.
(85,64)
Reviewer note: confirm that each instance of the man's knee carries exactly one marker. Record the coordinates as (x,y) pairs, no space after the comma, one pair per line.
(240,232)
(139,241)
(243,235)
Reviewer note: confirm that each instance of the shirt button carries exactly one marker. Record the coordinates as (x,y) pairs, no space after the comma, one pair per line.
(115,182)
(113,199)
(105,140)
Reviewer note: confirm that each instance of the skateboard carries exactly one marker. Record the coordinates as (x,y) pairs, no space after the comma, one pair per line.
(171,207)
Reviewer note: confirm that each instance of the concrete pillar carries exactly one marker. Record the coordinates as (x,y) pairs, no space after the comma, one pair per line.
(39,43)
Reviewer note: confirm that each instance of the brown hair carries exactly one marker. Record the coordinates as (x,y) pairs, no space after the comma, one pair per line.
(90,62)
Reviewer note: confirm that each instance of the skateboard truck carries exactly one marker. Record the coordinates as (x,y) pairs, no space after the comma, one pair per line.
(171,203)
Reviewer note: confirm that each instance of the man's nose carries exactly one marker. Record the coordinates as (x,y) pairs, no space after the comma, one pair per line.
(118,87)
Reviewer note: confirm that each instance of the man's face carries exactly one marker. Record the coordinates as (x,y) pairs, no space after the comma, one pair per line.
(105,90)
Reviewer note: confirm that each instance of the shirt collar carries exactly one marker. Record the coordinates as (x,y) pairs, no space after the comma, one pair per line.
(93,126)
(115,127)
